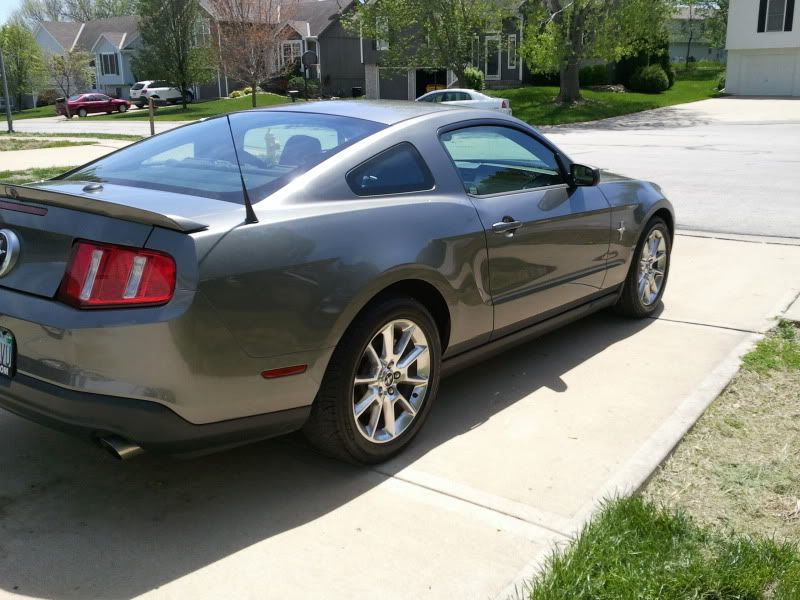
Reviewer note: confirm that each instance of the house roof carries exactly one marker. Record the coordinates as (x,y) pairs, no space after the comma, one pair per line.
(320,14)
(120,31)
(682,13)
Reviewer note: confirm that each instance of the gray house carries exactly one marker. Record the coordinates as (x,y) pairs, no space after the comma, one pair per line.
(687,36)
(111,41)
(495,53)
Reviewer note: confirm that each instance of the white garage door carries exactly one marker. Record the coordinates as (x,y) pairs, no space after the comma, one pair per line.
(767,74)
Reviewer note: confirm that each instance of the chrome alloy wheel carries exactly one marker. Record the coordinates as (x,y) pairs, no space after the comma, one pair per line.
(652,267)
(391,381)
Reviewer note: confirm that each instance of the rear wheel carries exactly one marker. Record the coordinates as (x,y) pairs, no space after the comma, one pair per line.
(122,108)
(380,384)
(82,112)
(188,96)
(647,277)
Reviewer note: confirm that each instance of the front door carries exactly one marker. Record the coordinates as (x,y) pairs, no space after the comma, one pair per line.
(548,243)
(492,57)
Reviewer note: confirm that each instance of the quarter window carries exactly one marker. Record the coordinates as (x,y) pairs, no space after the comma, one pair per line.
(498,160)
(398,170)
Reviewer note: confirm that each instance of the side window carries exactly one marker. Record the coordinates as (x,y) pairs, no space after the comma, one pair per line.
(497,160)
(398,170)
(459,96)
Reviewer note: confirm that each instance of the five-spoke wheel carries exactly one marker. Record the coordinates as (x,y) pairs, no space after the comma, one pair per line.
(648,274)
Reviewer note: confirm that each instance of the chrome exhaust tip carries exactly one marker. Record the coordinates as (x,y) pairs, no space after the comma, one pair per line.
(120,448)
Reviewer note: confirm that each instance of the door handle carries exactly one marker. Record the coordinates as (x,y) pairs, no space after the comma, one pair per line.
(507,226)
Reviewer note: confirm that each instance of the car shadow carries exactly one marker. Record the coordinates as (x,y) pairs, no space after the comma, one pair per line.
(77,524)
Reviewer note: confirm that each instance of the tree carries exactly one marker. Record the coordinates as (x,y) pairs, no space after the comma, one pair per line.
(34,12)
(435,33)
(561,34)
(24,61)
(716,22)
(71,71)
(89,10)
(168,49)
(693,27)
(249,37)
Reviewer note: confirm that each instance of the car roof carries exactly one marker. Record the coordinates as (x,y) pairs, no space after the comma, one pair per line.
(388,112)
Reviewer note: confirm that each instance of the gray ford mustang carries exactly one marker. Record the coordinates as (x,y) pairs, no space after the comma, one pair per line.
(317,267)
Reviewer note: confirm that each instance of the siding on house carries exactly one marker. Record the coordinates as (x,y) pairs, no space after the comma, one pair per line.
(762,63)
(340,60)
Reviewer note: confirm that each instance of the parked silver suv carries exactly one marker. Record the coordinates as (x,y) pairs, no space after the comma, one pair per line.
(158,90)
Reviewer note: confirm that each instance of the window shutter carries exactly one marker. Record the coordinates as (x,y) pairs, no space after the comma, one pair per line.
(762,16)
(789,15)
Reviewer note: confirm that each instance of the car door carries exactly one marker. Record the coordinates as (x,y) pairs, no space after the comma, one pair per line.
(104,103)
(547,242)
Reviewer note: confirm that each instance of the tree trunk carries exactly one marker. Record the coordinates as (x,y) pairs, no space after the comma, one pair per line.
(253,86)
(689,47)
(184,87)
(570,91)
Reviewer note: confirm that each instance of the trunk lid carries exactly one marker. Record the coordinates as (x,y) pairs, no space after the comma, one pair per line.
(47,218)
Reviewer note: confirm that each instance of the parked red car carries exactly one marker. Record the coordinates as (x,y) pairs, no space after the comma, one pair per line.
(83,104)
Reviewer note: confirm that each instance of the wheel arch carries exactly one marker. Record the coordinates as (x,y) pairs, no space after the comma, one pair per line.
(423,292)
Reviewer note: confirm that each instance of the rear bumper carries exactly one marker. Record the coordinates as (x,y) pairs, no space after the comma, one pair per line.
(151,425)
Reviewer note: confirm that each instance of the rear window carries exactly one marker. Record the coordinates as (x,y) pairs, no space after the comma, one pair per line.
(204,159)
(137,86)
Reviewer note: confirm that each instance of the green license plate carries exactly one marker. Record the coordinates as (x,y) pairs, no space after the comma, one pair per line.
(8,354)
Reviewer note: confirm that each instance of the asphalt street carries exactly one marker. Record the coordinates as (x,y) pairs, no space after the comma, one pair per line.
(729,165)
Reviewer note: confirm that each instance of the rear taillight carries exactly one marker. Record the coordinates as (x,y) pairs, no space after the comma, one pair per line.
(103,276)
(506,104)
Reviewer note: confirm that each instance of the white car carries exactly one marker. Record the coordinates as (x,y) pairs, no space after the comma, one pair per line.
(158,90)
(464,97)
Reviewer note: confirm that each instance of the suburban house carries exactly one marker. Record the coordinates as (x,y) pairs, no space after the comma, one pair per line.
(111,41)
(763,48)
(687,37)
(495,53)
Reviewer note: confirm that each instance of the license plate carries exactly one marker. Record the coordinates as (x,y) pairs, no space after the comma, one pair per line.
(8,354)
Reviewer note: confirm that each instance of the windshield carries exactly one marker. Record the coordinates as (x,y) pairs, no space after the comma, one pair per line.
(204,159)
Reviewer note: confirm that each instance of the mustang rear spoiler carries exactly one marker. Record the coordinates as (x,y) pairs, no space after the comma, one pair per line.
(23,194)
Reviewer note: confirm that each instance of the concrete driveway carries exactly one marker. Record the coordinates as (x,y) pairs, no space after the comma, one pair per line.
(729,165)
(515,456)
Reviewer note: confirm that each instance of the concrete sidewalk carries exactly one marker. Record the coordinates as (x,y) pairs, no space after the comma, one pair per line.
(515,456)
(68,156)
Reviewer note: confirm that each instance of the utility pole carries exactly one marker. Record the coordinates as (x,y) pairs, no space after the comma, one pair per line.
(5,92)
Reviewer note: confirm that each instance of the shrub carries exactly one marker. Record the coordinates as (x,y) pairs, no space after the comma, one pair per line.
(650,80)
(236,94)
(670,71)
(546,78)
(46,97)
(474,79)
(721,84)
(247,91)
(595,75)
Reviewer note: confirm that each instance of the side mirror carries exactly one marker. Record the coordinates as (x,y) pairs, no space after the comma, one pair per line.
(583,176)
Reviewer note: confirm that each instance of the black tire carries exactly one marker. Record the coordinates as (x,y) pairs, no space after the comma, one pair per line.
(630,304)
(122,108)
(82,113)
(188,96)
(331,427)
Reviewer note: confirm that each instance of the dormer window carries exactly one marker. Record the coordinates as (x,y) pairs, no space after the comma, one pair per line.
(775,15)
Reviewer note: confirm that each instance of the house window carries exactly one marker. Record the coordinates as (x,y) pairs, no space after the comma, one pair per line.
(382,29)
(776,15)
(512,51)
(108,64)
(202,33)
(291,52)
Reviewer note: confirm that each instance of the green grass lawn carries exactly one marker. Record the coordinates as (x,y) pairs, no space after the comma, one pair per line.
(8,144)
(199,110)
(537,105)
(634,550)
(29,175)
(31,113)
(93,136)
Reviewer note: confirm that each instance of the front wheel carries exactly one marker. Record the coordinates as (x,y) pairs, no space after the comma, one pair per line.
(188,97)
(380,384)
(647,277)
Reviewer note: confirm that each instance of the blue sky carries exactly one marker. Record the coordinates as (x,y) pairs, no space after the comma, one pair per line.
(6,8)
